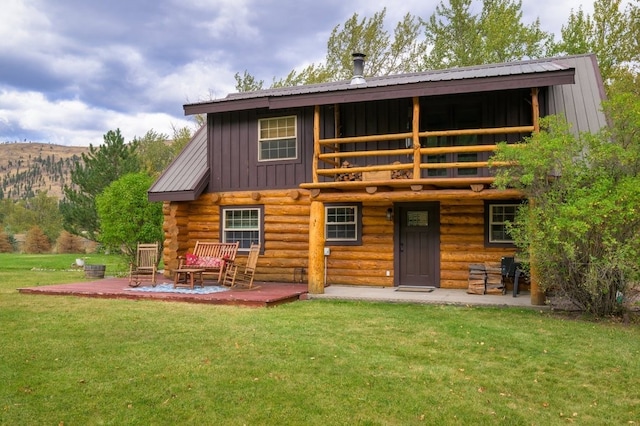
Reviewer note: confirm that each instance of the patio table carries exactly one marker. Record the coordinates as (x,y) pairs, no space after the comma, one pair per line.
(187,277)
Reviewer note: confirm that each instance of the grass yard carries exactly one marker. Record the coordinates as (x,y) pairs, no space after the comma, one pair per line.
(69,360)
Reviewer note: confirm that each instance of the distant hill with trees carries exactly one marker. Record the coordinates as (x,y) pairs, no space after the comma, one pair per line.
(29,167)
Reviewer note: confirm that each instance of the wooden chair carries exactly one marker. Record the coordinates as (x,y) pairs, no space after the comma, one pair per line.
(146,265)
(236,277)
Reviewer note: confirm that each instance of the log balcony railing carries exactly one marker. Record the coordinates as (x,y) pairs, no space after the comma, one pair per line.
(413,178)
(328,151)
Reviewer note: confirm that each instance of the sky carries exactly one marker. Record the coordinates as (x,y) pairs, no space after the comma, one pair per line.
(71,70)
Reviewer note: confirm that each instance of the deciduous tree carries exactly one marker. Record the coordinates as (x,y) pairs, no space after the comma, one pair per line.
(126,215)
(181,137)
(456,37)
(247,83)
(386,53)
(41,210)
(611,33)
(582,227)
(154,152)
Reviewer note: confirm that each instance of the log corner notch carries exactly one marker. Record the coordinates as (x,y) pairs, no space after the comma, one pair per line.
(294,194)
(256,196)
(215,198)
(477,187)
(315,192)
(374,189)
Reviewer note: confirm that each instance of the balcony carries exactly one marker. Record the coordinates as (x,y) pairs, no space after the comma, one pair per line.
(426,168)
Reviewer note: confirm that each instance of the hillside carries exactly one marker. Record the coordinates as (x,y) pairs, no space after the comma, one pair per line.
(26,168)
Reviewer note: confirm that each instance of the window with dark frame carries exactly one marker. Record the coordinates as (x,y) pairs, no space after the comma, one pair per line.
(343,224)
(243,224)
(277,138)
(498,216)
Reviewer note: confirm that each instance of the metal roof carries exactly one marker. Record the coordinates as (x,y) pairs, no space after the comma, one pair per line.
(463,73)
(187,176)
(548,71)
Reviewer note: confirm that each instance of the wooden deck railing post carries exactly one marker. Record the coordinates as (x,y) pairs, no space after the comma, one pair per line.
(316,248)
(537,295)
(415,129)
(535,110)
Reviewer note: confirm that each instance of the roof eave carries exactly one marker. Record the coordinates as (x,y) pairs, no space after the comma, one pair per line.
(186,195)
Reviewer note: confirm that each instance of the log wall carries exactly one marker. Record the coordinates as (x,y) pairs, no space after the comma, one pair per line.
(286,238)
(366,264)
(462,241)
(176,220)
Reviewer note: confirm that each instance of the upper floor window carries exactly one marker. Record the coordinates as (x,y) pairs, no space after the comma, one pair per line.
(497,218)
(243,224)
(278,138)
(343,224)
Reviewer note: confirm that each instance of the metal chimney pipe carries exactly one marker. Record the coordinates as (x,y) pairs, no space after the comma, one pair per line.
(358,68)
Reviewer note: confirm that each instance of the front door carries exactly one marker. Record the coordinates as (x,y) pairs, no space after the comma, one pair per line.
(418,248)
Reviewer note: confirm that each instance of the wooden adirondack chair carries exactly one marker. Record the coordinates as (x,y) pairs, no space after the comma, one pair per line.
(237,276)
(146,265)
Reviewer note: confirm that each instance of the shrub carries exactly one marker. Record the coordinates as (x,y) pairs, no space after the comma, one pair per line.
(69,243)
(6,245)
(581,227)
(36,241)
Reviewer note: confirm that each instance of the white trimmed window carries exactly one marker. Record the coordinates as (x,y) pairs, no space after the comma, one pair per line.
(278,138)
(499,216)
(342,223)
(241,224)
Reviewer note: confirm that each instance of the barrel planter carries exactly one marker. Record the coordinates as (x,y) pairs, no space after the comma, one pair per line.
(94,271)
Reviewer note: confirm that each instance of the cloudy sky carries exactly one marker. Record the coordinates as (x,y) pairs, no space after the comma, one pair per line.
(70,70)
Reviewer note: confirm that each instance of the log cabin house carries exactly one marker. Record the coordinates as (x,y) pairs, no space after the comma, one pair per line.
(377,181)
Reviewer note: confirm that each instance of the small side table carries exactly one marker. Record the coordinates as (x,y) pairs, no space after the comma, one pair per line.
(187,277)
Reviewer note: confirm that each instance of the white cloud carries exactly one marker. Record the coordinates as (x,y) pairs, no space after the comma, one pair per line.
(223,18)
(72,122)
(200,80)
(23,24)
(71,69)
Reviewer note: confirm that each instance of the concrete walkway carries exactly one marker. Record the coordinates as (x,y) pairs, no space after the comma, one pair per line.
(437,296)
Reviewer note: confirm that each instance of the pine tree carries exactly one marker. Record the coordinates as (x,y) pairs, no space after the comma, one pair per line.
(96,171)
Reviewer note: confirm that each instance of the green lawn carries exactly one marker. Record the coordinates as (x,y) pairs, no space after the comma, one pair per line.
(68,360)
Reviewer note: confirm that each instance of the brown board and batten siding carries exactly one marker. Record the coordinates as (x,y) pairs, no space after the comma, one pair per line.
(233,152)
(233,136)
